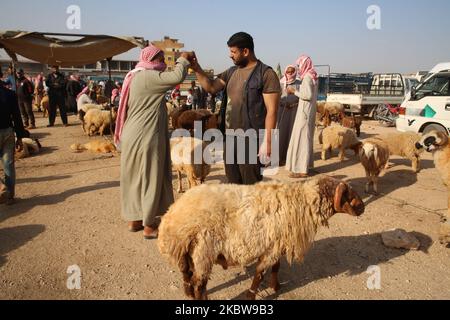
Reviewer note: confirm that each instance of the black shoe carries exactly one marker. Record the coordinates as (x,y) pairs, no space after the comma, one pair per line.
(50,125)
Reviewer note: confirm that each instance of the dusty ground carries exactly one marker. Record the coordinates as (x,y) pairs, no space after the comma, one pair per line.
(68,214)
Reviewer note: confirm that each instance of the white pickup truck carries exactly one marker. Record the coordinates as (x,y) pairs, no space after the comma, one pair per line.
(385,89)
(428,106)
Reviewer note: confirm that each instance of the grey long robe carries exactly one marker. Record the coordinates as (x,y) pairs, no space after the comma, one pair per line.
(146,173)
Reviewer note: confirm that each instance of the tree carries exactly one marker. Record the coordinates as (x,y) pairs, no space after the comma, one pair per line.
(279,73)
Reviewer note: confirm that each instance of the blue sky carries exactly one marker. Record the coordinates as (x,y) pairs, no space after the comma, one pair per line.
(414,34)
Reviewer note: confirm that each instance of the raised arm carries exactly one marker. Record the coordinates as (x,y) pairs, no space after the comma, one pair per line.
(209,85)
(169,79)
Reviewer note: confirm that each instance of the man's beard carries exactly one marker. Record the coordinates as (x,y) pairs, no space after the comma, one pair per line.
(241,63)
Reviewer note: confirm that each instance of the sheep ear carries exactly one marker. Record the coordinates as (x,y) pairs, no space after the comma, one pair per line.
(349,209)
(443,138)
(339,193)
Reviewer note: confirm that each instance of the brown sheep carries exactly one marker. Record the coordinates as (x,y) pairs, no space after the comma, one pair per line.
(328,112)
(374,155)
(323,119)
(188,118)
(234,225)
(175,114)
(352,122)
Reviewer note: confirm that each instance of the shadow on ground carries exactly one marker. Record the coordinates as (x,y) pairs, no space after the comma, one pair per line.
(351,255)
(13,238)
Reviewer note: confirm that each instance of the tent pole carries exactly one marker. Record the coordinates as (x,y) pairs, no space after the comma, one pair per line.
(109,68)
(13,65)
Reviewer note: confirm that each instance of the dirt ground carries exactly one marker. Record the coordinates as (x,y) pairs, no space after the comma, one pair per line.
(68,213)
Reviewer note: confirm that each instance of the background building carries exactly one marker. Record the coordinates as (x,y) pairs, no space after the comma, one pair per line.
(171,48)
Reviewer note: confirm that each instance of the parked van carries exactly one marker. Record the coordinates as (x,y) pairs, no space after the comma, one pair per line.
(428,106)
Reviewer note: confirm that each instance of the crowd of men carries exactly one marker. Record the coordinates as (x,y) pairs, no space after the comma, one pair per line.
(62,90)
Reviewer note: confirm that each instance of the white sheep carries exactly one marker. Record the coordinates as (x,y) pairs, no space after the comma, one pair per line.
(30,147)
(183,151)
(338,137)
(438,144)
(86,107)
(235,225)
(374,156)
(404,145)
(98,120)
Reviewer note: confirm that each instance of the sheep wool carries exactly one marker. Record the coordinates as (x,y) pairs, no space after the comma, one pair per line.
(30,147)
(98,120)
(96,146)
(374,156)
(237,225)
(404,145)
(183,150)
(338,137)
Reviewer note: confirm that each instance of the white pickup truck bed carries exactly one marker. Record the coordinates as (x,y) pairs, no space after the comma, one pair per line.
(384,89)
(359,102)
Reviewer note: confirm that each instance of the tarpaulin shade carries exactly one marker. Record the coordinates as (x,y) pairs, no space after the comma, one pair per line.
(88,49)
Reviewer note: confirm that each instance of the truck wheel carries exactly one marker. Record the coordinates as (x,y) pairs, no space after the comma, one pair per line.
(436,127)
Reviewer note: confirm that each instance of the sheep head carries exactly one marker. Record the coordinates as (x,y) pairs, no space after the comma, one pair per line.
(344,198)
(432,141)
